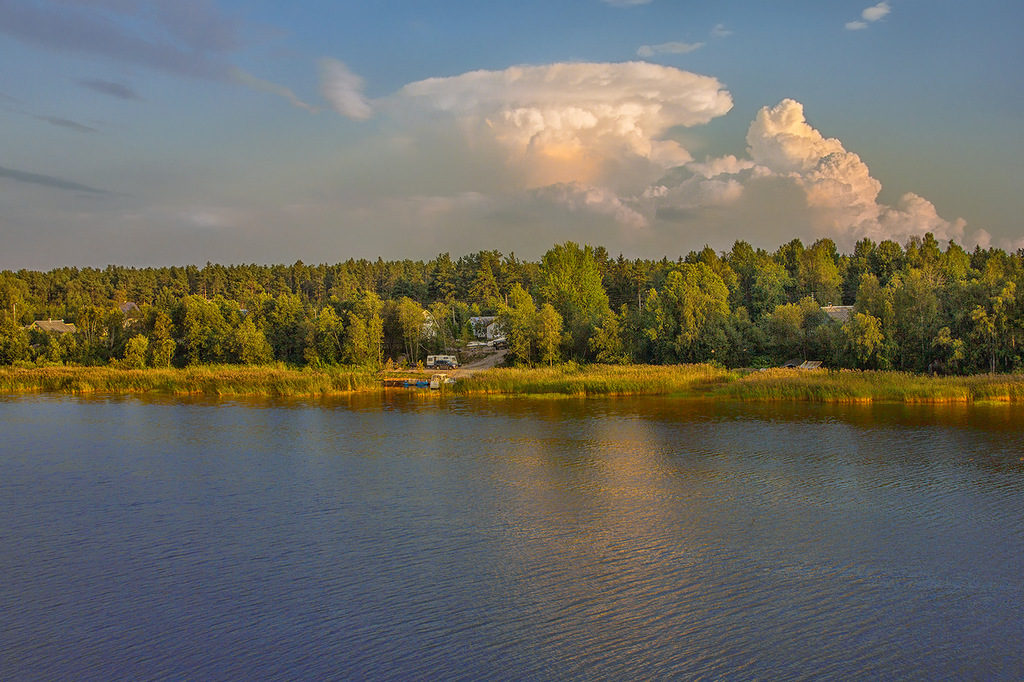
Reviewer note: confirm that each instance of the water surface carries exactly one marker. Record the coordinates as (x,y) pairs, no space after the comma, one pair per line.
(410,536)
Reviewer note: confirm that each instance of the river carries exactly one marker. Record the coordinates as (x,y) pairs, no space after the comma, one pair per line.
(412,536)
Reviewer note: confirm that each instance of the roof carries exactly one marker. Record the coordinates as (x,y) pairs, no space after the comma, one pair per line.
(839,313)
(796,363)
(55,326)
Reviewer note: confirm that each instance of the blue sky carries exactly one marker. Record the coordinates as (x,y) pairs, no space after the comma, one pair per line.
(158,132)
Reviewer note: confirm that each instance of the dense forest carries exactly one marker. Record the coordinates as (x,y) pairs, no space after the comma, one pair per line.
(915,307)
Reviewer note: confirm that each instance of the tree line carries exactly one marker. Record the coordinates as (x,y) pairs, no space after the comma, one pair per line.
(914,307)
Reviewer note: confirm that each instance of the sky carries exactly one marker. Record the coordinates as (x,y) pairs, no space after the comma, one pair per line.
(169,132)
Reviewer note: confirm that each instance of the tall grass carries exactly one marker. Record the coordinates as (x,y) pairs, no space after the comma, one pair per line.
(209,380)
(851,386)
(845,386)
(575,380)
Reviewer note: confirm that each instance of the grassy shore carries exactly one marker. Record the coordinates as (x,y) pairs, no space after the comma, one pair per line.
(584,380)
(568,380)
(223,380)
(852,386)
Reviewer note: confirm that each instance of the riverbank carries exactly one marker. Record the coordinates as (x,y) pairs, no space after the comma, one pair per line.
(855,386)
(569,380)
(223,380)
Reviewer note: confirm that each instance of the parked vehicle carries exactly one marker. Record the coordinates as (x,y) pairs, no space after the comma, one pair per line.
(442,362)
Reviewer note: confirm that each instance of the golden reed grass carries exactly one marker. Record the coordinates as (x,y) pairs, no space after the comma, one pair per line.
(708,381)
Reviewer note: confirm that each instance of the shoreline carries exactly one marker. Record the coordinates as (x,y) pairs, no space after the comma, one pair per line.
(565,381)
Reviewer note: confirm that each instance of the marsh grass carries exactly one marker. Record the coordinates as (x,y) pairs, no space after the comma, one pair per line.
(853,386)
(209,380)
(605,380)
(570,380)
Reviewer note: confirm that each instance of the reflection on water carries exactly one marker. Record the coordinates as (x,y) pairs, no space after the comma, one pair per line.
(418,536)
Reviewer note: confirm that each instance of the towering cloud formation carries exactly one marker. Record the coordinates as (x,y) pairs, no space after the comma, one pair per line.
(580,144)
(829,189)
(576,122)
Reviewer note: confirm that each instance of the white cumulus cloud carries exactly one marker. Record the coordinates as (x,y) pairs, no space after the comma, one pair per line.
(821,188)
(576,196)
(574,122)
(877,12)
(590,152)
(868,16)
(724,165)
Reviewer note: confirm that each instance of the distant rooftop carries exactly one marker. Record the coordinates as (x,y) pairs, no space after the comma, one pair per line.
(55,326)
(839,313)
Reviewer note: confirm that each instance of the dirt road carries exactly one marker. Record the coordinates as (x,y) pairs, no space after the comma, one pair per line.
(485,362)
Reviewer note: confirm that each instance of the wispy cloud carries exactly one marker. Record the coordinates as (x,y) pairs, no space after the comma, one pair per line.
(647,51)
(720,31)
(66,123)
(99,29)
(47,181)
(869,15)
(249,80)
(186,38)
(343,90)
(625,3)
(110,88)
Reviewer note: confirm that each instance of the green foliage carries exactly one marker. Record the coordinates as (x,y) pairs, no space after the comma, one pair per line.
(136,352)
(936,309)
(818,273)
(248,345)
(549,334)
(793,328)
(692,309)
(570,280)
(204,331)
(13,340)
(519,324)
(607,343)
(285,322)
(864,339)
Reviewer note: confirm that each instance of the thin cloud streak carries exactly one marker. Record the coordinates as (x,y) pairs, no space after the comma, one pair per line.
(47,181)
(251,81)
(111,89)
(92,32)
(66,123)
(647,51)
(186,38)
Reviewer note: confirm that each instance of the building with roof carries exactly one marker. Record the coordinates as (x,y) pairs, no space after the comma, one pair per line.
(53,326)
(839,313)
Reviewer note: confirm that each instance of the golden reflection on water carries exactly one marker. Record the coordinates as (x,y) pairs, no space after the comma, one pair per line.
(596,538)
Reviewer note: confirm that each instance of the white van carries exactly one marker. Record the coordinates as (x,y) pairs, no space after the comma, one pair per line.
(442,362)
